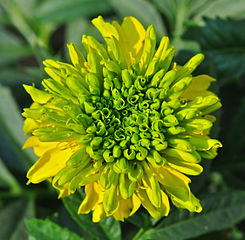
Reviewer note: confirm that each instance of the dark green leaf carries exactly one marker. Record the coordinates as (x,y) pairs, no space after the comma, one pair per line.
(12,137)
(220,211)
(58,11)
(221,8)
(31,30)
(47,230)
(10,115)
(223,41)
(12,220)
(139,219)
(13,76)
(176,12)
(231,162)
(236,135)
(111,227)
(10,54)
(7,179)
(11,48)
(168,8)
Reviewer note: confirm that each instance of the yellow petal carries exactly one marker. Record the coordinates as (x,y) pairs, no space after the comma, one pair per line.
(147,204)
(190,66)
(206,146)
(169,177)
(135,204)
(185,167)
(193,205)
(127,207)
(165,206)
(149,48)
(39,148)
(111,198)
(49,164)
(198,87)
(176,185)
(99,213)
(152,190)
(64,190)
(123,210)
(115,51)
(106,29)
(94,195)
(155,212)
(131,38)
(76,56)
(91,44)
(37,95)
(205,132)
(161,51)
(126,186)
(192,157)
(29,126)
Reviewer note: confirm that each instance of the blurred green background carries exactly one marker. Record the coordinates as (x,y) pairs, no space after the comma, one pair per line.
(33,30)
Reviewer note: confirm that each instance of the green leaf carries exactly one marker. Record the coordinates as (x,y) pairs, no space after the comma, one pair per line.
(111,227)
(58,11)
(10,115)
(15,76)
(72,204)
(29,29)
(231,162)
(236,135)
(180,14)
(223,41)
(12,219)
(10,54)
(176,12)
(8,38)
(220,211)
(11,48)
(11,134)
(168,9)
(27,6)
(8,179)
(221,8)
(47,230)
(139,219)
(143,10)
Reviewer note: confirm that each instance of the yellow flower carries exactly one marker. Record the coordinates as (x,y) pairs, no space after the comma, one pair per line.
(123,122)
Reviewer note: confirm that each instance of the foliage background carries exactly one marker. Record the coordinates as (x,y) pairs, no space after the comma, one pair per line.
(33,30)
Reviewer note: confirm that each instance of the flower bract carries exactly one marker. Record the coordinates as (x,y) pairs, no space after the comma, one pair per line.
(125,122)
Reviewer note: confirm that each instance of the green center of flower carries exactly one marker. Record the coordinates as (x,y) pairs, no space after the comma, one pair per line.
(132,118)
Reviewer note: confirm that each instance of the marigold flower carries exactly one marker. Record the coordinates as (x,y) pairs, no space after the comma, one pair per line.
(123,122)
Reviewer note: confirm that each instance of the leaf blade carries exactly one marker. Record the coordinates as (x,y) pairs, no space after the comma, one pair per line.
(47,230)
(223,41)
(111,227)
(221,210)
(57,11)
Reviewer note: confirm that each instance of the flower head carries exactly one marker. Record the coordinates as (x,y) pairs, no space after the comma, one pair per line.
(123,122)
